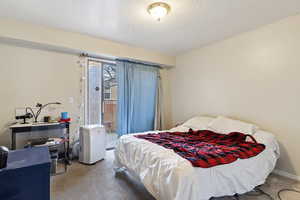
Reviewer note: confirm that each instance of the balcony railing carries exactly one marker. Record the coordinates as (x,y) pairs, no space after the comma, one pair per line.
(109,115)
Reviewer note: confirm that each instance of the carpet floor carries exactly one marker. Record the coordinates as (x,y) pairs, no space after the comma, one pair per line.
(99,182)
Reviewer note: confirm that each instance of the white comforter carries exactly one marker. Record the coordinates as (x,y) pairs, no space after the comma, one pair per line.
(168,176)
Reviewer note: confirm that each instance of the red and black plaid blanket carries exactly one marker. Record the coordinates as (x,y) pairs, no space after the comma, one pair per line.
(206,148)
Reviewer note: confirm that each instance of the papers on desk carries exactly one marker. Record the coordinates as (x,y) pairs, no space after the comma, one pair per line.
(51,142)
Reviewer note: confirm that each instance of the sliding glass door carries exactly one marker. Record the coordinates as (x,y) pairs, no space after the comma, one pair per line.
(94,92)
(102,97)
(109,100)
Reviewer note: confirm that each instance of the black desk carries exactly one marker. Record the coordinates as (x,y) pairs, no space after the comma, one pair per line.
(21,128)
(27,175)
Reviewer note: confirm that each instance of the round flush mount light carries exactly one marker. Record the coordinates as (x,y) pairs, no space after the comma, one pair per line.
(158,10)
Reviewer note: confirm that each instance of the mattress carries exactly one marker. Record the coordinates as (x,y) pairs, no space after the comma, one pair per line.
(168,176)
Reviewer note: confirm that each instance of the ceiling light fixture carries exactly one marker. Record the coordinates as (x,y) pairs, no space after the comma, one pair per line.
(158,10)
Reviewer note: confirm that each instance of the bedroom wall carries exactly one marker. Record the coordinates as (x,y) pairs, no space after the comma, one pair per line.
(32,75)
(254,77)
(29,76)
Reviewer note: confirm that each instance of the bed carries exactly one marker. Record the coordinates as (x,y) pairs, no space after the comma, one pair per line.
(168,176)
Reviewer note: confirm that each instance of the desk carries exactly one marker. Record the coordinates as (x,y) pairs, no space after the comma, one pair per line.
(27,175)
(32,127)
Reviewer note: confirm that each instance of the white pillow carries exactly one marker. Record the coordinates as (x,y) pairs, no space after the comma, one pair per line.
(225,125)
(198,123)
(179,129)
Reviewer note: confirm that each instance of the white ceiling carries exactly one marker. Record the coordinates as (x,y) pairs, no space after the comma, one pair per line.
(191,23)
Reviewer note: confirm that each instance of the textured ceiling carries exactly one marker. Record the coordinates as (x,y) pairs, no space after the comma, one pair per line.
(191,23)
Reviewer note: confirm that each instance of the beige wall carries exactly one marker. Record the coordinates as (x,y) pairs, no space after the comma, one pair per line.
(254,76)
(29,76)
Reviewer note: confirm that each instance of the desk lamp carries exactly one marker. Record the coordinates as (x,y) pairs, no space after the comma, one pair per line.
(41,107)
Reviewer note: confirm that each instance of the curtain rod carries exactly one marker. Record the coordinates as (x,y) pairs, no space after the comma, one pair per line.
(121,59)
(139,62)
(97,57)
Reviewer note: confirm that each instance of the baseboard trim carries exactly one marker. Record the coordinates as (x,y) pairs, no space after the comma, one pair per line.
(286,174)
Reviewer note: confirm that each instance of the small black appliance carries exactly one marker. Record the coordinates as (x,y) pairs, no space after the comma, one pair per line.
(24,117)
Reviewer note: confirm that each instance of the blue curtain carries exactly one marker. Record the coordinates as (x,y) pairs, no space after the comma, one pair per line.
(137,90)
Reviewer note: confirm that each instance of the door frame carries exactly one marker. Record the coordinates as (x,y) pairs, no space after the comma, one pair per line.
(86,85)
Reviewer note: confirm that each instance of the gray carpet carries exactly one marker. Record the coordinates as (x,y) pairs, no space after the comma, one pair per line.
(98,182)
